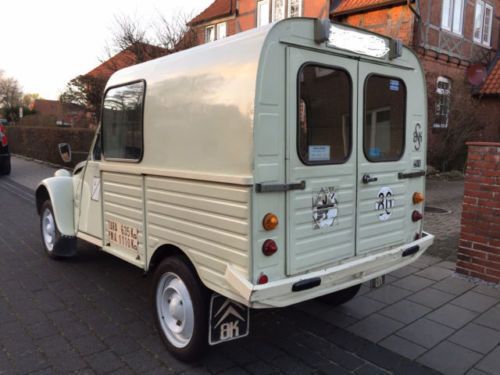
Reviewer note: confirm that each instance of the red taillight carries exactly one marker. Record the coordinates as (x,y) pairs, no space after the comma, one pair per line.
(269,247)
(416,216)
(263,279)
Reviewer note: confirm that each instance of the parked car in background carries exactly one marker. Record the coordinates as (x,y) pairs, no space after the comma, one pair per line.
(4,152)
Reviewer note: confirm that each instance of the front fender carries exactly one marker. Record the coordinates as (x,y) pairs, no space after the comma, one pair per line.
(59,190)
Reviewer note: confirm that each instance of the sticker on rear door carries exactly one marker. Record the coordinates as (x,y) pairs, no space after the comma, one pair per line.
(324,208)
(384,203)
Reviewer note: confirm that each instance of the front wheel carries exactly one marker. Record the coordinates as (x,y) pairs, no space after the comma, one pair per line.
(50,232)
(181,309)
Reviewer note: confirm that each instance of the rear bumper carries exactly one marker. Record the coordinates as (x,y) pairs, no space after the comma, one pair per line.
(280,293)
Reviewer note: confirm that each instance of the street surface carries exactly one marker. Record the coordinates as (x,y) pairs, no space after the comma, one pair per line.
(92,314)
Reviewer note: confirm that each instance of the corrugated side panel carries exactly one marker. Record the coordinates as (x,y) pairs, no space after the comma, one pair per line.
(123,203)
(209,221)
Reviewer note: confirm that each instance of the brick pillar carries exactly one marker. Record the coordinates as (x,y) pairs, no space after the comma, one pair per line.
(479,246)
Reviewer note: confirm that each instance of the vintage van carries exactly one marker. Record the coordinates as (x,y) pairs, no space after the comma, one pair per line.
(279,165)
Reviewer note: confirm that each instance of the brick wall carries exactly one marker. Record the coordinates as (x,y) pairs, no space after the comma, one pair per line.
(41,143)
(479,246)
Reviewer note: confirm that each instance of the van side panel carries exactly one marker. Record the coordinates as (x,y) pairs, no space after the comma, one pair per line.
(209,222)
(123,204)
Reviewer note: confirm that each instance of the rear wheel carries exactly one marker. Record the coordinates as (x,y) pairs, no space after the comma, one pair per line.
(181,309)
(340,297)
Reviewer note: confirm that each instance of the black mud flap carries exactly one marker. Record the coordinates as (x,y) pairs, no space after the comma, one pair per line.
(65,246)
(229,320)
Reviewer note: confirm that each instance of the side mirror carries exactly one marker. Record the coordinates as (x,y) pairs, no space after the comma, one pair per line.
(65,152)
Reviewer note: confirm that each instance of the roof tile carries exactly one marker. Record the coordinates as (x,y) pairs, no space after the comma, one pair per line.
(218,9)
(492,83)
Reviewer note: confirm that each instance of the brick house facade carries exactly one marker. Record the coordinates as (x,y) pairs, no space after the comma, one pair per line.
(451,38)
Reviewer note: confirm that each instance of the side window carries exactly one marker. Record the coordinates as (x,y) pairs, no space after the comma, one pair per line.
(122,122)
(384,118)
(324,115)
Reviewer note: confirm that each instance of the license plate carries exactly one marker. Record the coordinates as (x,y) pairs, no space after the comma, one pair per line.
(229,320)
(377,282)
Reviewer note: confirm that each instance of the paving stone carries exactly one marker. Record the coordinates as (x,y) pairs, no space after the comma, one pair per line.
(478,338)
(260,368)
(426,261)
(447,264)
(452,316)
(375,327)
(88,345)
(435,273)
(402,346)
(490,318)
(335,317)
(475,371)
(140,361)
(453,285)
(430,297)
(413,283)
(360,307)
(388,294)
(104,362)
(67,362)
(475,301)
(369,370)
(122,344)
(488,290)
(491,363)
(405,311)
(403,272)
(290,365)
(449,358)
(425,332)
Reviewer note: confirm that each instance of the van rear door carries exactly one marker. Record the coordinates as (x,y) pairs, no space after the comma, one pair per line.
(321,159)
(385,155)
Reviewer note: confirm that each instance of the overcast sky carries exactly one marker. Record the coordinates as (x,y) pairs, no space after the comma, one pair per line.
(44,44)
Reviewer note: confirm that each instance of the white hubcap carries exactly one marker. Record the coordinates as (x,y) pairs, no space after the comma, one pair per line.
(48,229)
(175,310)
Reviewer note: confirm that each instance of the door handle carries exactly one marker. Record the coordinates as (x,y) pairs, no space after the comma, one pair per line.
(367,179)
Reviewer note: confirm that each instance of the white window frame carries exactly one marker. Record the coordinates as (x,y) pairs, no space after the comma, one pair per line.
(442,95)
(221,35)
(289,8)
(263,4)
(285,13)
(480,24)
(212,34)
(452,16)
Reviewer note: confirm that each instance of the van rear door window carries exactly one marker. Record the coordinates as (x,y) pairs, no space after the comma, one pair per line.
(384,118)
(122,122)
(324,115)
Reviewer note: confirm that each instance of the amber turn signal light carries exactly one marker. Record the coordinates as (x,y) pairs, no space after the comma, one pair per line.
(270,221)
(418,198)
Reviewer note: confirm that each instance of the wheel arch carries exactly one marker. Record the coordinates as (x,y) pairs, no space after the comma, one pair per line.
(60,192)
(168,250)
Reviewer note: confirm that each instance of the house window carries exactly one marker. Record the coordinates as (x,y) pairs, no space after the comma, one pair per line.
(209,34)
(385,118)
(221,30)
(263,13)
(443,91)
(452,16)
(482,23)
(286,8)
(122,122)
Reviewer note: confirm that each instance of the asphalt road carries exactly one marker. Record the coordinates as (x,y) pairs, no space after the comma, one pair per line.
(93,314)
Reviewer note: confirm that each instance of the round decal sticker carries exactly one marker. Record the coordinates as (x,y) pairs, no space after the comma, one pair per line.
(384,203)
(325,208)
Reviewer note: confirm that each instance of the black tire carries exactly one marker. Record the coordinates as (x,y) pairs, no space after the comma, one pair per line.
(5,167)
(50,250)
(340,297)
(194,347)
